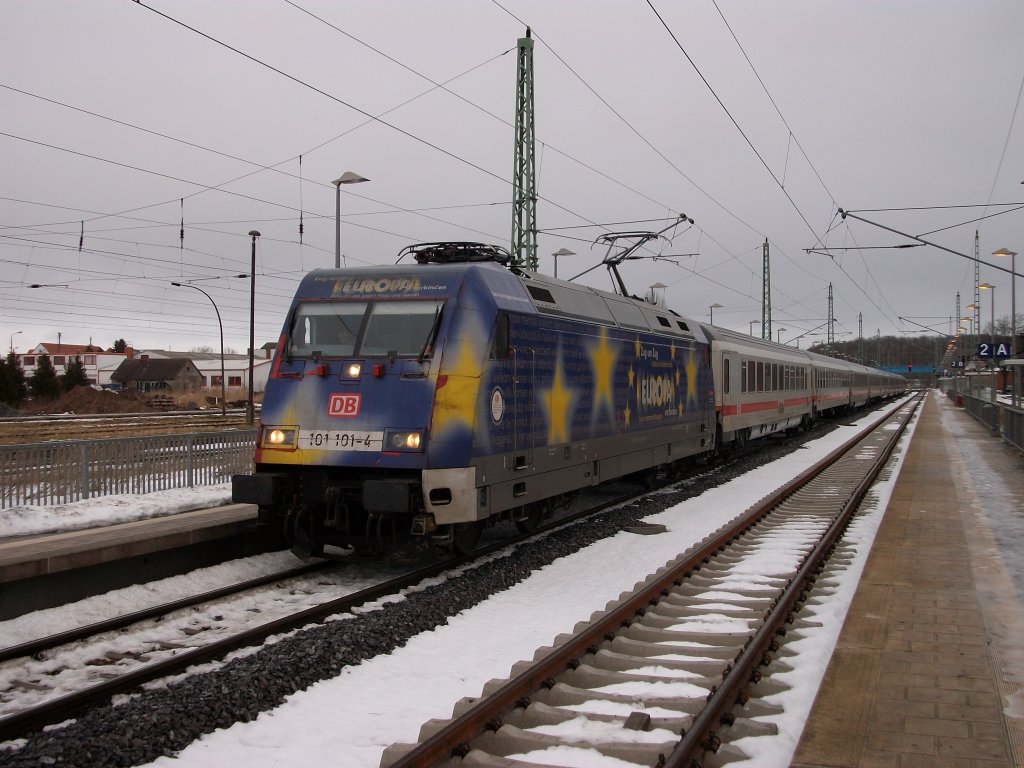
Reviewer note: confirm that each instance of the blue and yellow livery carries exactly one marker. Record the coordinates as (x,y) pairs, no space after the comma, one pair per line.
(421,402)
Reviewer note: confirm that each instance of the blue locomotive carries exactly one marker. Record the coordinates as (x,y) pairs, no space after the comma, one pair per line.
(421,402)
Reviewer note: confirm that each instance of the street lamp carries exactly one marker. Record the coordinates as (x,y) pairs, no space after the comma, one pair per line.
(992,330)
(750,331)
(778,335)
(346,178)
(561,252)
(12,340)
(249,407)
(713,307)
(1013,295)
(220,325)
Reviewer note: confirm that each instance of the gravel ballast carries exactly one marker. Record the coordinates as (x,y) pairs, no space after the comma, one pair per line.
(162,721)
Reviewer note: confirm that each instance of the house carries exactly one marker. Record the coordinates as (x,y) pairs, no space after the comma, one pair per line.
(98,363)
(148,375)
(236,367)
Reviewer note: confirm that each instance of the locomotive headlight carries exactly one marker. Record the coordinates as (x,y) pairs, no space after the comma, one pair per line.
(404,441)
(352,370)
(279,437)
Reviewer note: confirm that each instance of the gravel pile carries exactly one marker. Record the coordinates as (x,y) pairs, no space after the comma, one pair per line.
(161,722)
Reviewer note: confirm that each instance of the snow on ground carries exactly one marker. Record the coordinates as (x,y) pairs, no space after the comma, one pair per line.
(108,510)
(352,718)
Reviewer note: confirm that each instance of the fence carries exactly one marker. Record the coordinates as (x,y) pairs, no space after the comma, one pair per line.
(66,471)
(1013,427)
(1001,418)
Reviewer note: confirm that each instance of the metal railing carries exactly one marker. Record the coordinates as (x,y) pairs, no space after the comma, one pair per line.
(67,471)
(984,411)
(1013,427)
(1001,418)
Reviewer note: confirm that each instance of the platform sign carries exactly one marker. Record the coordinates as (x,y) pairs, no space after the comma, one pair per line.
(998,351)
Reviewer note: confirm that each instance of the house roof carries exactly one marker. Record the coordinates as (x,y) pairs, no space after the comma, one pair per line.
(152,370)
(231,365)
(167,354)
(52,348)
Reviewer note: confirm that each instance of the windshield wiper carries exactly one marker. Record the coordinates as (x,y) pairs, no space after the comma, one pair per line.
(432,336)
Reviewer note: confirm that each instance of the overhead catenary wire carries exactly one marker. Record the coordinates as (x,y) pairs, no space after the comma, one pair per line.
(743,133)
(259,167)
(792,136)
(260,62)
(538,35)
(316,89)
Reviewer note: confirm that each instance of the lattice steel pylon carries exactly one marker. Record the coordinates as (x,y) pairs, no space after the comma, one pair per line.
(976,326)
(524,189)
(766,295)
(860,334)
(831,323)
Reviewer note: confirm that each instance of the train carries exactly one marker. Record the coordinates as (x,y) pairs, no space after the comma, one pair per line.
(412,405)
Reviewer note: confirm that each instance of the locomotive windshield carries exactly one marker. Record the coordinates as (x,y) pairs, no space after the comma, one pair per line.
(364,329)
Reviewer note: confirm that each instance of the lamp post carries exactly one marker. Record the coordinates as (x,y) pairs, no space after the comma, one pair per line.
(750,330)
(249,406)
(992,330)
(963,348)
(12,340)
(1013,293)
(976,331)
(220,325)
(348,177)
(778,335)
(561,252)
(712,308)
(1013,306)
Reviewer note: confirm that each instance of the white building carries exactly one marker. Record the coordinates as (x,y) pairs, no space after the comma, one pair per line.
(236,367)
(98,363)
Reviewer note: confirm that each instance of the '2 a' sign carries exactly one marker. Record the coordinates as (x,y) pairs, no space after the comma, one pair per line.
(987,350)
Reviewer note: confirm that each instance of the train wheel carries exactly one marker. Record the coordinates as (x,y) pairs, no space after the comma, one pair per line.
(677,469)
(529,518)
(465,536)
(297,534)
(648,478)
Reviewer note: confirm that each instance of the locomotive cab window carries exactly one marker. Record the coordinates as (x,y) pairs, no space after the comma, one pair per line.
(329,329)
(400,327)
(347,328)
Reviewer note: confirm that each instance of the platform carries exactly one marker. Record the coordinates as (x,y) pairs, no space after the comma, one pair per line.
(51,569)
(929,668)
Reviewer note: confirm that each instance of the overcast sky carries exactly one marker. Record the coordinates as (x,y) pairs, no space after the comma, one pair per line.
(872,105)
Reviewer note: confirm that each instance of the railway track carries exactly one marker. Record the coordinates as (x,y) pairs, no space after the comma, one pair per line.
(122,656)
(39,429)
(90,704)
(669,675)
(46,680)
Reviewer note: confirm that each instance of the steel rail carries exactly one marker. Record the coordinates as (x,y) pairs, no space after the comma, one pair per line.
(32,647)
(453,739)
(701,736)
(34,718)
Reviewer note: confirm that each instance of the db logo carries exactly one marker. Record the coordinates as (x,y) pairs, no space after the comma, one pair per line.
(343,405)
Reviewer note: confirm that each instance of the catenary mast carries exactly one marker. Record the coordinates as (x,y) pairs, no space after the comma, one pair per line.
(766,295)
(524,189)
